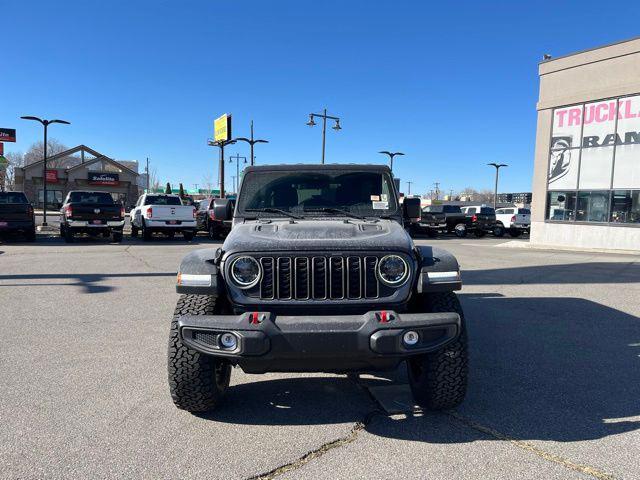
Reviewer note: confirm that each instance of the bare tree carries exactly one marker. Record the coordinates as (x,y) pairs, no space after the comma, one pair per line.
(154,181)
(207,182)
(8,177)
(36,153)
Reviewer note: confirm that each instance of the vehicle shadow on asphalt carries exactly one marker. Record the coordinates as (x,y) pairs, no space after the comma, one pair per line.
(87,281)
(559,369)
(571,273)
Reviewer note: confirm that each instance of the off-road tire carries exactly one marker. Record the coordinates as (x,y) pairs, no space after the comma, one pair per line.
(438,380)
(134,231)
(188,235)
(460,230)
(498,231)
(197,382)
(515,233)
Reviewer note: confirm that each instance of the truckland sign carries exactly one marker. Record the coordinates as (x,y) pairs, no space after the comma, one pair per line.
(100,178)
(7,135)
(222,128)
(596,145)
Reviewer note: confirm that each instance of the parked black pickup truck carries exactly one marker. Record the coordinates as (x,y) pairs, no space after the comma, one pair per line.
(454,219)
(481,220)
(93,213)
(16,215)
(206,217)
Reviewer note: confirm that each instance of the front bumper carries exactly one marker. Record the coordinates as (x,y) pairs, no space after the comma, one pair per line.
(266,342)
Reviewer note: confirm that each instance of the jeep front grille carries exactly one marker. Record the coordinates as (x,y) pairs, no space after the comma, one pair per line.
(320,277)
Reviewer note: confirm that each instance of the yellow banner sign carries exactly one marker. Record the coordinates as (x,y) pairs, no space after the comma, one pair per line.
(222,128)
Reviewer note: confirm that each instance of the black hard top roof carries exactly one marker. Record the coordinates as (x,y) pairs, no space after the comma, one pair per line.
(296,167)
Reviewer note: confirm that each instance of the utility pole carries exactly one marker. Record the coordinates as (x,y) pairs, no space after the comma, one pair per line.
(495,191)
(147,171)
(324,117)
(195,185)
(437,190)
(409,184)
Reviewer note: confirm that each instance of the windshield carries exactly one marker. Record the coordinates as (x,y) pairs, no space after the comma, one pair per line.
(323,192)
(12,197)
(162,200)
(90,197)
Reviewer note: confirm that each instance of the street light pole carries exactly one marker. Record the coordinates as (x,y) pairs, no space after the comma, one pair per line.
(391,155)
(251,142)
(45,124)
(495,191)
(237,177)
(409,184)
(324,117)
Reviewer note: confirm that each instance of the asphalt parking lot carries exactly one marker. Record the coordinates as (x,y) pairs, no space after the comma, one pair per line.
(554,377)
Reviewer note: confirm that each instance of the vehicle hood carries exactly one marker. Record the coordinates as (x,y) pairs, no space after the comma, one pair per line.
(315,235)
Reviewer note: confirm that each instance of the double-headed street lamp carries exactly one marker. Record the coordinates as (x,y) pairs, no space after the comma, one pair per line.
(45,124)
(251,142)
(324,117)
(391,155)
(495,192)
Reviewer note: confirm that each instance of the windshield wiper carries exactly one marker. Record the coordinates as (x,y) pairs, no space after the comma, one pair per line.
(334,210)
(273,210)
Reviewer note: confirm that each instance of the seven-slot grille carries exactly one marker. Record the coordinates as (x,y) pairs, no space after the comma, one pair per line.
(319,277)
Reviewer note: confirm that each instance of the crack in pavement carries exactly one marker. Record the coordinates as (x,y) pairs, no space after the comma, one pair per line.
(551,457)
(318,452)
(141,260)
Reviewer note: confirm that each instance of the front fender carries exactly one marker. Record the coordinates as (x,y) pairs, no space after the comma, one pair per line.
(438,270)
(199,273)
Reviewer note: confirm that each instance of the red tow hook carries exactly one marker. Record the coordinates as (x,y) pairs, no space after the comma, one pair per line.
(384,317)
(254,319)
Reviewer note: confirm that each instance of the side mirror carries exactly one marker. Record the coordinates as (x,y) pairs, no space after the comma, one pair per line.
(411,209)
(222,209)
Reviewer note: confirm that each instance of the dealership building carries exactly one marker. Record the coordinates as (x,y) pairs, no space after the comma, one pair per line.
(586,186)
(79,168)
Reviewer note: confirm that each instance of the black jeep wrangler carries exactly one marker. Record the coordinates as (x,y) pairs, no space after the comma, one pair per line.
(318,275)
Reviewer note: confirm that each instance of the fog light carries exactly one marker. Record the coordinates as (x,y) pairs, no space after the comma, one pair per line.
(410,338)
(228,340)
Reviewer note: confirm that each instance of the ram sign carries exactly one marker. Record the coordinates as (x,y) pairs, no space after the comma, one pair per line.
(596,146)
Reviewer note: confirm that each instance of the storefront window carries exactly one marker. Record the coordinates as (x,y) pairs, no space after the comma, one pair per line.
(625,206)
(561,206)
(54,198)
(593,207)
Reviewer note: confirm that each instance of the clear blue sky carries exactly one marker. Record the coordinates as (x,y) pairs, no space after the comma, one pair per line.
(451,84)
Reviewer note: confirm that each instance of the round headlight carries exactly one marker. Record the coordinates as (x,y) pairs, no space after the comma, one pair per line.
(393,270)
(246,271)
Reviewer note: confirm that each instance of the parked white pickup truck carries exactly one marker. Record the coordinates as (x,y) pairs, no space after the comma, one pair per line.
(514,220)
(162,213)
